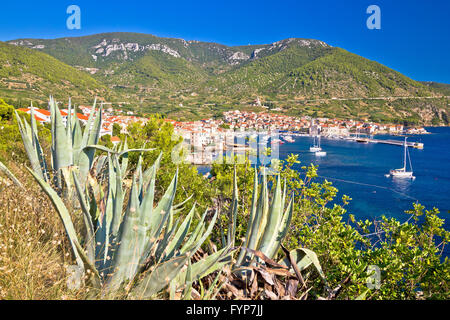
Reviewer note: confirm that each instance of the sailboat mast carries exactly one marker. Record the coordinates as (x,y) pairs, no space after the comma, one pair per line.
(404,160)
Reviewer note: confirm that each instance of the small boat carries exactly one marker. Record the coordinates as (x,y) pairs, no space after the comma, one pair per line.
(288,139)
(320,154)
(276,141)
(315,147)
(402,172)
(362,140)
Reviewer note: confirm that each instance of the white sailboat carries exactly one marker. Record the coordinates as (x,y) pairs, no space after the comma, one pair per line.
(315,147)
(288,138)
(402,172)
(320,152)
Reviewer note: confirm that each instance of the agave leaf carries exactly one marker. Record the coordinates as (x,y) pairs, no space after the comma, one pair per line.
(273,222)
(282,229)
(28,131)
(187,294)
(125,158)
(77,138)
(126,259)
(304,258)
(69,130)
(155,219)
(284,193)
(38,148)
(101,232)
(111,151)
(52,128)
(265,207)
(91,137)
(148,199)
(233,212)
(90,231)
(205,235)
(108,218)
(69,121)
(163,208)
(63,151)
(100,148)
(172,291)
(195,234)
(251,219)
(10,175)
(210,294)
(179,206)
(140,177)
(207,265)
(64,215)
(29,148)
(33,125)
(148,174)
(179,237)
(96,190)
(121,154)
(168,237)
(118,200)
(257,220)
(89,125)
(101,160)
(159,278)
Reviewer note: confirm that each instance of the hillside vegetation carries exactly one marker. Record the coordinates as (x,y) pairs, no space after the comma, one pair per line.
(294,221)
(192,79)
(31,74)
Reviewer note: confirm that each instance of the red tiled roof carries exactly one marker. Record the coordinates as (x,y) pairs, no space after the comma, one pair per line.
(82,116)
(44,112)
(39,119)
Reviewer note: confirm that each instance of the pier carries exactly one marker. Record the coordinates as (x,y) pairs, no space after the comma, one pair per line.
(416,145)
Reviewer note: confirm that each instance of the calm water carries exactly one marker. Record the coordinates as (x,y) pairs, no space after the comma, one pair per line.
(358,170)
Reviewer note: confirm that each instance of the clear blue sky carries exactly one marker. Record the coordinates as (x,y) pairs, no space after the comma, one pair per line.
(414,37)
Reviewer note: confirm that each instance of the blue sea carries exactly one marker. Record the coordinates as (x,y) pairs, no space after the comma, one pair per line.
(358,171)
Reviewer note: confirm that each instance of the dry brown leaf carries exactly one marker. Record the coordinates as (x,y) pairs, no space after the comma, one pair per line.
(269,278)
(292,287)
(270,295)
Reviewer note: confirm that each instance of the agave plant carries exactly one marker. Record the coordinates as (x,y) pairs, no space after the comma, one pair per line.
(268,225)
(120,247)
(69,148)
(72,150)
(139,250)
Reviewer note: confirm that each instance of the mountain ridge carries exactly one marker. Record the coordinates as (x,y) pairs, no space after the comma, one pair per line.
(194,78)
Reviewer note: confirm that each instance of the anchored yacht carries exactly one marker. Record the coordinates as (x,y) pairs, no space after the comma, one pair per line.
(403,172)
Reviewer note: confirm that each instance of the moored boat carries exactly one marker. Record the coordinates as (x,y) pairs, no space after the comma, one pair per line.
(316,147)
(402,172)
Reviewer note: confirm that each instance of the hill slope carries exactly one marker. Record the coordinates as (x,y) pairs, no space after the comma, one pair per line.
(30,74)
(342,74)
(443,88)
(192,79)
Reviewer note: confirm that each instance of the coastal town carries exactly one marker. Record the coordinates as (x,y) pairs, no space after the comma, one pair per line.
(208,138)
